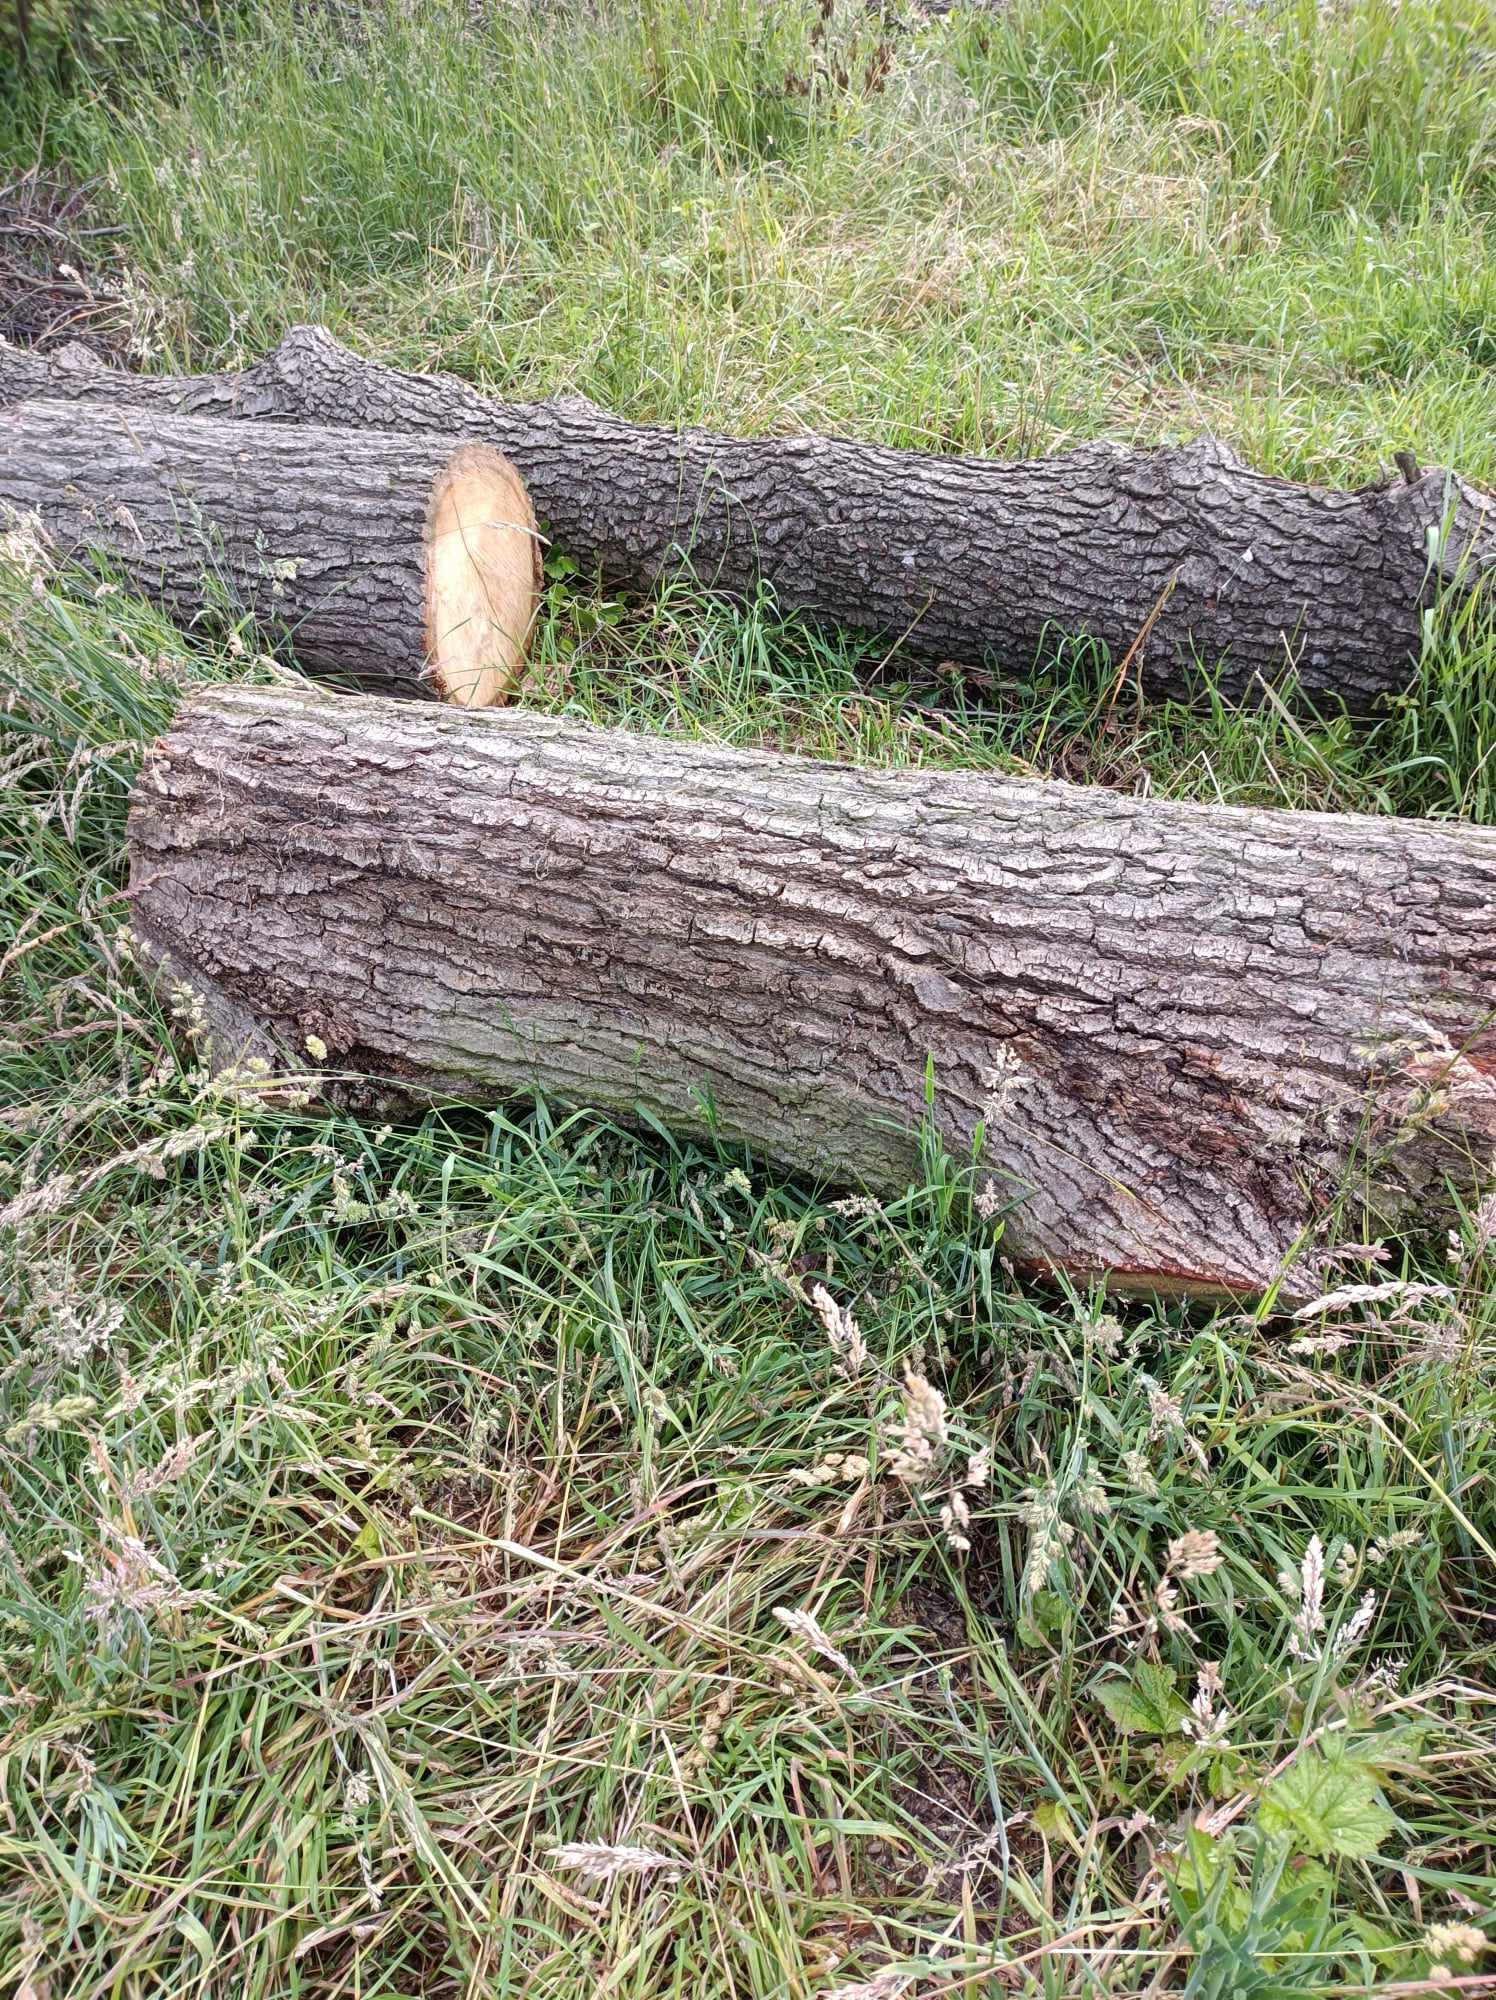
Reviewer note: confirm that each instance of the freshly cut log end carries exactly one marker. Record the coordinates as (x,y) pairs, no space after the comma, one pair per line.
(483,576)
(1185,1042)
(1180,559)
(401,564)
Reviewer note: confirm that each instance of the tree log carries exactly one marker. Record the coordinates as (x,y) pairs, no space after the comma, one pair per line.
(394,560)
(1175,1036)
(1170,555)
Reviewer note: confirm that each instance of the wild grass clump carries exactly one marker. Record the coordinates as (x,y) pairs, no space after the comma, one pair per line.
(1003,230)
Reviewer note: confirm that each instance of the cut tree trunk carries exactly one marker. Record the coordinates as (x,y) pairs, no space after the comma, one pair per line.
(1169,556)
(1182,1040)
(395,561)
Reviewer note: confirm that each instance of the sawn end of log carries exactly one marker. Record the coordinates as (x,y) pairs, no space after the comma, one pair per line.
(1181,560)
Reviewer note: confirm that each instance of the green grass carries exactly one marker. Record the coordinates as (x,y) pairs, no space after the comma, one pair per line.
(385,1509)
(1125,218)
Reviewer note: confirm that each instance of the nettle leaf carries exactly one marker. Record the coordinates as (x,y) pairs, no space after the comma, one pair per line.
(1327,1807)
(1149,1704)
(1399,1748)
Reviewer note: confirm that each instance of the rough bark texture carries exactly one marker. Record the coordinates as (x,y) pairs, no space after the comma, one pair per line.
(976,561)
(1184,1028)
(326,534)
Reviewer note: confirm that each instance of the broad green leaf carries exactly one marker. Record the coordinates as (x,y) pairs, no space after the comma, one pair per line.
(1149,1704)
(1397,1749)
(1053,1820)
(1327,1807)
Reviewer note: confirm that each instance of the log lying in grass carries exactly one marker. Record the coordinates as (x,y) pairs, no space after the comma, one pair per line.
(394,561)
(1176,552)
(1185,1030)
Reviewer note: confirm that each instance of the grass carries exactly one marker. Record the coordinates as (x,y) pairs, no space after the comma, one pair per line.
(395,1521)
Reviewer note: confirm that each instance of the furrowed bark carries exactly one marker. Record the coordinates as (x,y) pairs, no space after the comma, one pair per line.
(1185,1032)
(403,563)
(979,562)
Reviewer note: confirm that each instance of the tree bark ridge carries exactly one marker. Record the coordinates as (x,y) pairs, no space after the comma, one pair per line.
(980,562)
(1176,1035)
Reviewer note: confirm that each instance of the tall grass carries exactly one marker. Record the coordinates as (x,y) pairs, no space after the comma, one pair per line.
(1135,218)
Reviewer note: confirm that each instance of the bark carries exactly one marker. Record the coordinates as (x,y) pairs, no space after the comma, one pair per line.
(979,562)
(396,561)
(1174,1036)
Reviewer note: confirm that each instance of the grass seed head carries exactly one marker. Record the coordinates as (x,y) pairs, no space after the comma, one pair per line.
(597,1861)
(1194,1553)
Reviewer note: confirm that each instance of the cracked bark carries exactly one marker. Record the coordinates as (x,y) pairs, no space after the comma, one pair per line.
(980,562)
(1187,1031)
(395,561)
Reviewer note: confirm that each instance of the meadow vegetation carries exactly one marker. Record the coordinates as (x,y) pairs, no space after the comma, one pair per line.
(509,1554)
